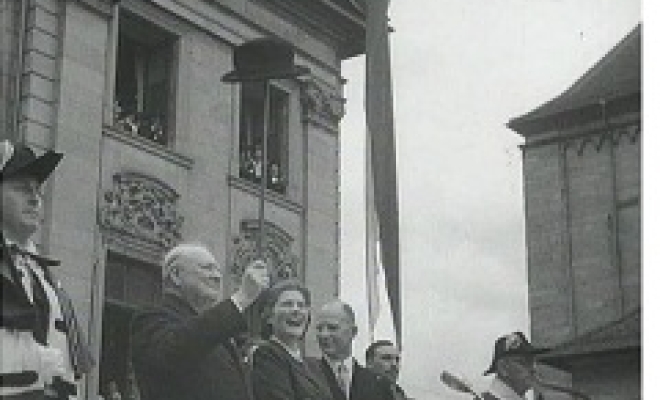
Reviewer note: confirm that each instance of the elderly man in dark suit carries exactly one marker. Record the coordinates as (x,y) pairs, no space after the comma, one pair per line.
(43,352)
(186,349)
(348,380)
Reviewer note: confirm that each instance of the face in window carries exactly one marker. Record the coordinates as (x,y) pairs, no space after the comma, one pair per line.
(335,331)
(198,278)
(386,362)
(289,316)
(21,206)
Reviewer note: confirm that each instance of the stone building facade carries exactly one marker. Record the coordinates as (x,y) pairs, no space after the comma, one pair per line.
(159,150)
(582,185)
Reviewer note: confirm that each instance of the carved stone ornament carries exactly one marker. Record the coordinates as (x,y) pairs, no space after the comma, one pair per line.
(282,263)
(322,101)
(142,207)
(616,136)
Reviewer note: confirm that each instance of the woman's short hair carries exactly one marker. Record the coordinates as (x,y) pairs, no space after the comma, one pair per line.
(272,295)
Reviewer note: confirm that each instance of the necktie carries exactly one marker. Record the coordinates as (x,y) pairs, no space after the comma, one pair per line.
(342,378)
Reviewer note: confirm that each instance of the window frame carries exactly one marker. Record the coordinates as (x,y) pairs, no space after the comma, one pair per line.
(247,145)
(159,36)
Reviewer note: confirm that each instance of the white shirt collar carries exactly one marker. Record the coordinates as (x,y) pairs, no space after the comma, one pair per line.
(29,247)
(347,362)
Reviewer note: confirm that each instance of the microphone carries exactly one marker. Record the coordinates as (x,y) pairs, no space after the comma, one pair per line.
(458,384)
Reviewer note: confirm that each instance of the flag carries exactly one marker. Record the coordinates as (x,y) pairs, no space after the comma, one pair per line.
(382,204)
(374,259)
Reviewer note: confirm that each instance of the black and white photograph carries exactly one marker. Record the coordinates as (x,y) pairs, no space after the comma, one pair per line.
(325,199)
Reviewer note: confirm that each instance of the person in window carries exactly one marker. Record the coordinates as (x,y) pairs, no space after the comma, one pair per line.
(275,178)
(279,371)
(245,164)
(43,351)
(255,168)
(113,391)
(129,123)
(185,348)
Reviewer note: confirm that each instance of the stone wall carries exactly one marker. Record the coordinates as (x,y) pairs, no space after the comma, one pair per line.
(582,213)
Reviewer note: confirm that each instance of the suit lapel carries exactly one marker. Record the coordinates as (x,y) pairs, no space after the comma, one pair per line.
(330,377)
(357,383)
(304,371)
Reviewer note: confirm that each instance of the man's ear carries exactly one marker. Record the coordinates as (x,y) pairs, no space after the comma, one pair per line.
(354,330)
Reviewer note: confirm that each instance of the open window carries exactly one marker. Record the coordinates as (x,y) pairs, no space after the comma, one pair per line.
(144,84)
(251,135)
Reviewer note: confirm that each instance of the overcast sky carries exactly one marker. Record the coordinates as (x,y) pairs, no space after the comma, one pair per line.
(461,70)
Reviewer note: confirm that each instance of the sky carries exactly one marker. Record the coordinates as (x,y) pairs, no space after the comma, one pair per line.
(461,70)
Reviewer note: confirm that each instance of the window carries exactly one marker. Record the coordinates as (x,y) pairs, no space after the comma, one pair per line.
(251,135)
(129,284)
(131,281)
(144,80)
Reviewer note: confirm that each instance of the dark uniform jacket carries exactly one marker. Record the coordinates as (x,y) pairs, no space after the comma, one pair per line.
(181,355)
(17,311)
(276,375)
(499,390)
(365,384)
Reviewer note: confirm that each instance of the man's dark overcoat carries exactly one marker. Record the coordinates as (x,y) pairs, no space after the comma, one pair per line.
(276,375)
(179,354)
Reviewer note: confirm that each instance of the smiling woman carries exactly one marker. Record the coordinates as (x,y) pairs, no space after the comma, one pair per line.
(286,314)
(279,371)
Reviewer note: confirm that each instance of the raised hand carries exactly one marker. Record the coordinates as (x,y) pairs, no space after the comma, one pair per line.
(255,280)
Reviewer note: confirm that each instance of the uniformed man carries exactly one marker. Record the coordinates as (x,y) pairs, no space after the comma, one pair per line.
(513,366)
(43,353)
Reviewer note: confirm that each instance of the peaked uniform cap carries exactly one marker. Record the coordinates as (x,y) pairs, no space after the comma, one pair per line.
(514,344)
(263,59)
(18,160)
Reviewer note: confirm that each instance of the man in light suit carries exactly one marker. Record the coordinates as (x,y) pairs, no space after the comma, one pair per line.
(347,379)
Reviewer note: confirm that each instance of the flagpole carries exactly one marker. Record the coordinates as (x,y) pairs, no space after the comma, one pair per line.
(371,237)
(380,131)
(261,238)
(261,60)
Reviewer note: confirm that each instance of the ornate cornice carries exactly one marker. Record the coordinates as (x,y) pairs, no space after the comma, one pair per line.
(597,139)
(322,103)
(282,262)
(142,207)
